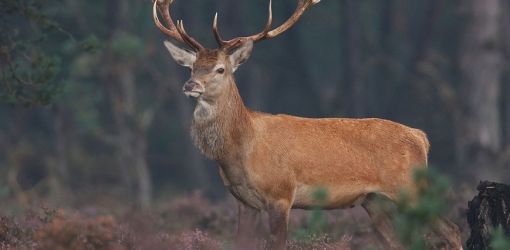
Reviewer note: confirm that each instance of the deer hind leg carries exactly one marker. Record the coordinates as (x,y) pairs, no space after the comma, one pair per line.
(445,235)
(278,222)
(379,208)
(248,227)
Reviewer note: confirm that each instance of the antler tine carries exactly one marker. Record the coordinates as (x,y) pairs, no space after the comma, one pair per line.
(188,39)
(264,33)
(217,36)
(172,31)
(267,33)
(303,5)
(255,38)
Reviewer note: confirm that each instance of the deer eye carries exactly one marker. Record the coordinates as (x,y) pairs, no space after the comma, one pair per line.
(220,70)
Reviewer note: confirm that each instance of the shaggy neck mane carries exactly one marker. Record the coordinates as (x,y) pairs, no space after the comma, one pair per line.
(222,124)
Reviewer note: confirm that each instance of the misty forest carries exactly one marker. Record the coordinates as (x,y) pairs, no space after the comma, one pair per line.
(95,144)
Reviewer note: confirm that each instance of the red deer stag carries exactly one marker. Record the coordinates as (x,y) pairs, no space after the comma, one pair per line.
(275,163)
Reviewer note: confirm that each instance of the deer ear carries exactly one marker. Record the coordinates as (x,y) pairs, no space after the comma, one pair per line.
(181,56)
(241,54)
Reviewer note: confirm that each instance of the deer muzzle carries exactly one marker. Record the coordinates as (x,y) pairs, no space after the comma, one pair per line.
(193,89)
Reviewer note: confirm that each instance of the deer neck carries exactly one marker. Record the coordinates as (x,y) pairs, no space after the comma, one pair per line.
(221,125)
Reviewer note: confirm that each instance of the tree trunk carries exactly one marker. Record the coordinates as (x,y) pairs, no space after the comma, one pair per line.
(254,84)
(144,181)
(478,136)
(353,75)
(486,211)
(59,168)
(315,103)
(505,30)
(196,165)
(131,141)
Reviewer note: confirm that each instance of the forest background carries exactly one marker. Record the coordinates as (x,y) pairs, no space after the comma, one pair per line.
(91,108)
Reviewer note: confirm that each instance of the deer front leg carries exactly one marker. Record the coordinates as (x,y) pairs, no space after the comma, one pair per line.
(278,222)
(247,227)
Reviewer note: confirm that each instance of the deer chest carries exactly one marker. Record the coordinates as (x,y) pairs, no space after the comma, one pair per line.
(237,182)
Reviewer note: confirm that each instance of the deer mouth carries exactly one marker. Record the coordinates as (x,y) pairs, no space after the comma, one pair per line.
(193,93)
(193,89)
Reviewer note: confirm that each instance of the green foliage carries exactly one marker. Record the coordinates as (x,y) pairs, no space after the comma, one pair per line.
(127,45)
(317,220)
(91,44)
(414,218)
(28,71)
(499,241)
(4,191)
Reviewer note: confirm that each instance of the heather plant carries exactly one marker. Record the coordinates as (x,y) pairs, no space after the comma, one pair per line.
(50,229)
(196,240)
(322,241)
(194,211)
(12,235)
(74,232)
(18,232)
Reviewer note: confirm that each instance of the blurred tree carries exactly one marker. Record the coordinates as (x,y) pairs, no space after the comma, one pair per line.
(358,98)
(197,167)
(505,31)
(30,75)
(59,168)
(130,119)
(478,133)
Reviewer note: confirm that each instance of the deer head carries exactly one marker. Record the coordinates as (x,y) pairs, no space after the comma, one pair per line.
(211,68)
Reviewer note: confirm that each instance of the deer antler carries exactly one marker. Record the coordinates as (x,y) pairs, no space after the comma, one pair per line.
(267,33)
(176,32)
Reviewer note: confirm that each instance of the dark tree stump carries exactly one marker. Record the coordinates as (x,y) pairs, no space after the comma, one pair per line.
(489,209)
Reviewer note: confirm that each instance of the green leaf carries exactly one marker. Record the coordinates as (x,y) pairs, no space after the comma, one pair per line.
(91,44)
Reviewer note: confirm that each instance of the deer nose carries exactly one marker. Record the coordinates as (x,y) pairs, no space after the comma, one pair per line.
(190,85)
